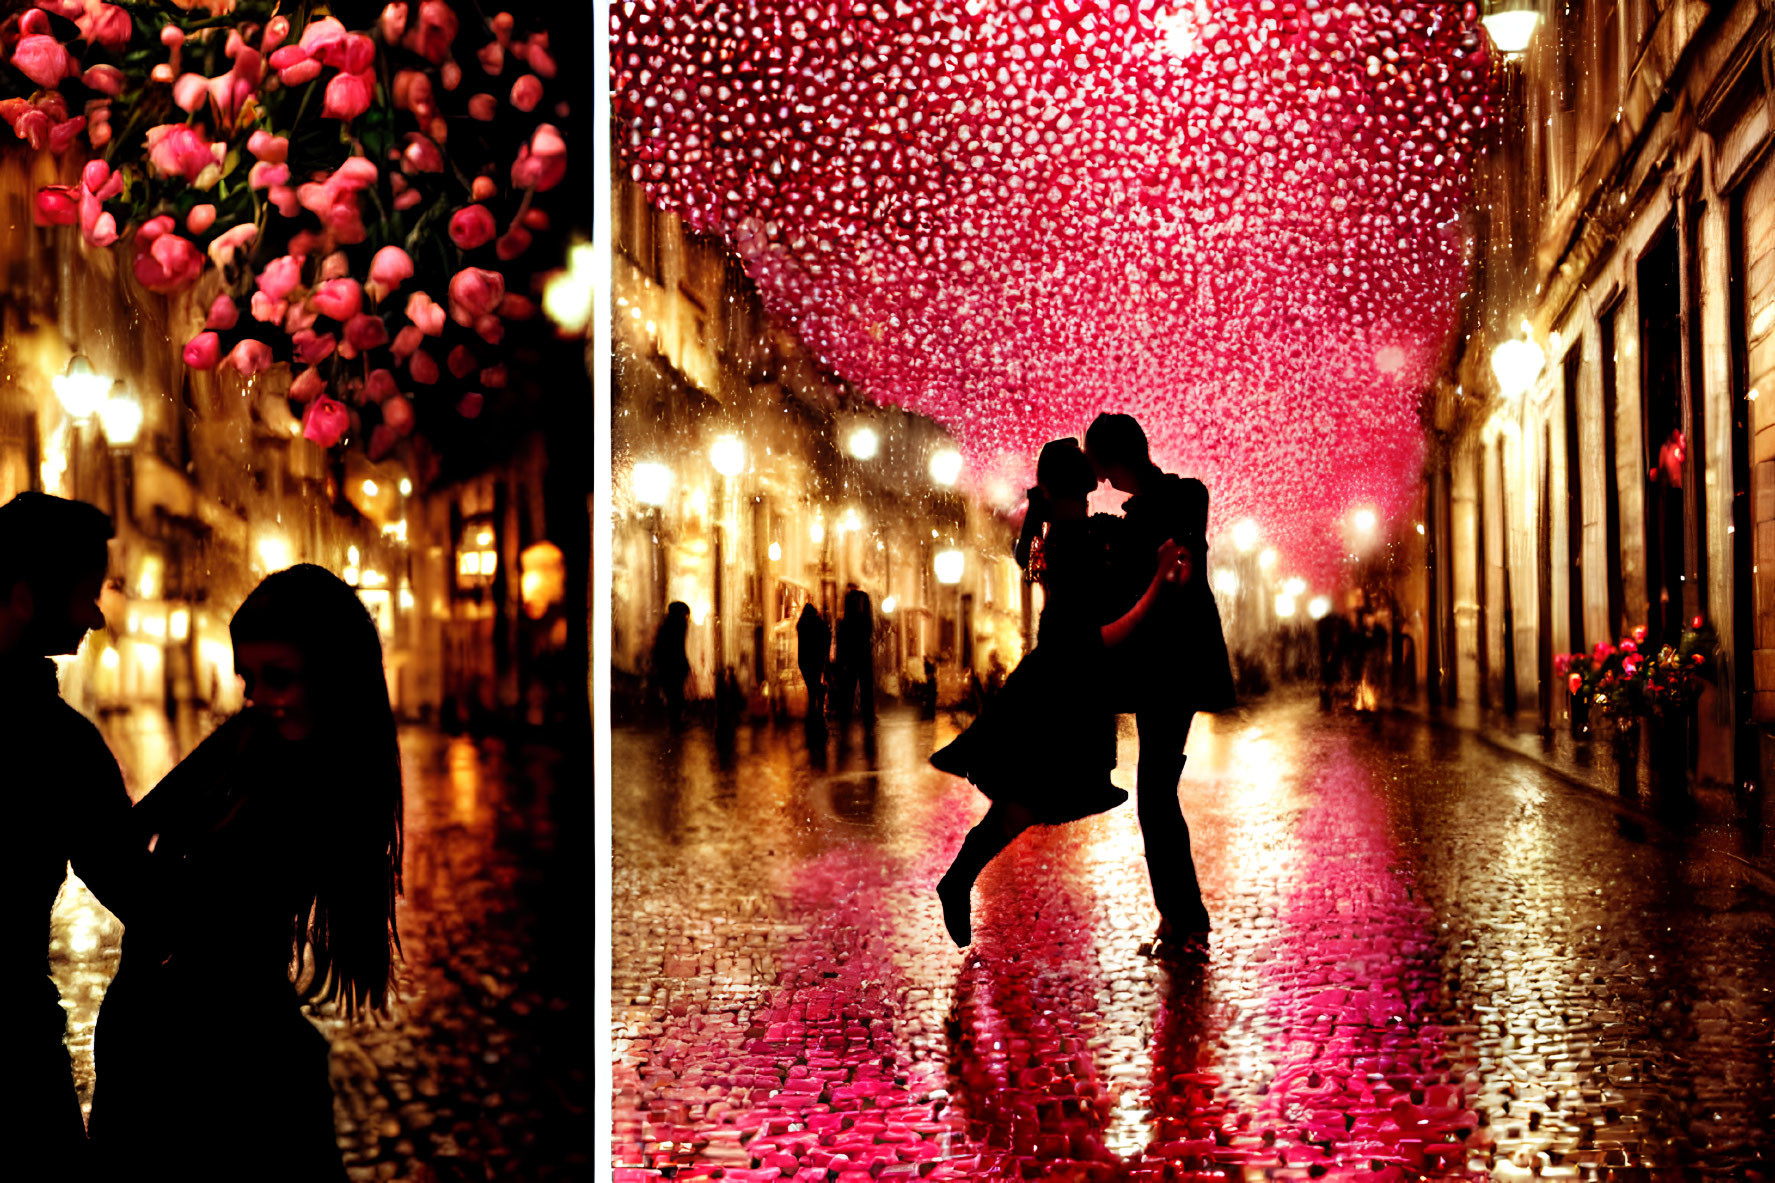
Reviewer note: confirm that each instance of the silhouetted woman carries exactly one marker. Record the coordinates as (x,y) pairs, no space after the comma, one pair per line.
(1044,749)
(286,827)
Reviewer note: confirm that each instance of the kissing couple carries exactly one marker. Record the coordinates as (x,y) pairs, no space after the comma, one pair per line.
(1128,626)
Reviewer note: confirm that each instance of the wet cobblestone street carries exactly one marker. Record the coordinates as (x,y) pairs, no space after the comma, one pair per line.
(479,1073)
(1428,961)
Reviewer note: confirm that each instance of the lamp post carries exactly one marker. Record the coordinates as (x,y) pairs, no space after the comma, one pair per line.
(728,456)
(81,390)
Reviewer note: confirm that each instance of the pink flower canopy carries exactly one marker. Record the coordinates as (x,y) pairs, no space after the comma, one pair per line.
(1243,222)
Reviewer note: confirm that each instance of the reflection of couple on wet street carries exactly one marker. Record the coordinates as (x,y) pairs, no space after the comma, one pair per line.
(1128,626)
(268,860)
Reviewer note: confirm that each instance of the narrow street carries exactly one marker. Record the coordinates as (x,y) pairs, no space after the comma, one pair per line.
(1429,960)
(478,1073)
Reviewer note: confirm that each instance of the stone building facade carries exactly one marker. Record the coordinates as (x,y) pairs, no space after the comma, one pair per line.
(1625,227)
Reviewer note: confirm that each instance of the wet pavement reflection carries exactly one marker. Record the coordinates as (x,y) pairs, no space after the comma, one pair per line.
(479,1072)
(1429,961)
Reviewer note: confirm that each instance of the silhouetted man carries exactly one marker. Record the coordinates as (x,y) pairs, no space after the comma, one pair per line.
(813,643)
(67,804)
(855,666)
(671,660)
(1176,661)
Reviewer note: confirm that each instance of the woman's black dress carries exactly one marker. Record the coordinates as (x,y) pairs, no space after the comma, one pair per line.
(1047,742)
(207,1068)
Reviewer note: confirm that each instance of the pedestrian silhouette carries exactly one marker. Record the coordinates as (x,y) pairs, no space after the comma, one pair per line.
(854,670)
(1043,751)
(67,805)
(813,642)
(1175,665)
(671,660)
(285,826)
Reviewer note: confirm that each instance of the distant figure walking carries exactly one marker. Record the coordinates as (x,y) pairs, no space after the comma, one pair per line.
(671,660)
(285,830)
(66,804)
(1043,750)
(813,645)
(854,670)
(1175,664)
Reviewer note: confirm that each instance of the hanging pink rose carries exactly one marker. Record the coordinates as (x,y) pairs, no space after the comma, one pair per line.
(229,92)
(172,36)
(462,361)
(366,332)
(313,348)
(421,155)
(325,421)
(474,291)
(62,135)
(177,150)
(535,219)
(469,405)
(306,385)
(98,122)
(231,242)
(269,148)
(28,122)
(502,24)
(451,75)
(542,163)
(512,243)
(492,58)
(483,107)
(200,218)
(107,80)
(389,269)
(482,188)
(534,51)
(392,23)
(299,317)
(432,34)
(379,385)
(397,412)
(412,92)
(204,351)
(472,226)
(300,68)
(277,30)
(353,53)
(284,199)
(527,92)
(493,377)
(426,314)
(264,174)
(491,328)
(340,299)
(320,34)
(223,314)
(250,357)
(190,92)
(56,205)
(405,342)
(98,179)
(423,367)
(408,199)
(268,309)
(347,96)
(106,25)
(42,59)
(166,262)
(280,276)
(35,22)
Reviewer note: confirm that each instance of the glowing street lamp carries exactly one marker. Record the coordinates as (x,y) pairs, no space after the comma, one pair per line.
(1517,364)
(1295,586)
(569,295)
(1226,581)
(1266,561)
(728,455)
(120,418)
(864,443)
(650,482)
(948,565)
(1284,605)
(1365,520)
(1245,536)
(889,604)
(946,466)
(1511,24)
(1318,606)
(81,388)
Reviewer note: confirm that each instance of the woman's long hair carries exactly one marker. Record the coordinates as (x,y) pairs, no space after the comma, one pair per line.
(346,923)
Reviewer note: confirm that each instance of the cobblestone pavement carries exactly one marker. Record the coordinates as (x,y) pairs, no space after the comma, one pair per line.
(1428,961)
(479,1073)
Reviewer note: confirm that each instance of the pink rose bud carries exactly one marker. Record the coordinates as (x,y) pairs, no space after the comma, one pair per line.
(100,181)
(472,226)
(190,92)
(542,163)
(166,262)
(265,175)
(527,92)
(106,25)
(334,266)
(389,269)
(284,199)
(319,35)
(280,276)
(107,80)
(512,243)
(56,205)
(267,309)
(483,107)
(397,412)
(63,135)
(163,72)
(469,405)
(340,299)
(405,342)
(366,332)
(265,146)
(277,31)
(491,328)
(492,58)
(426,314)
(502,27)
(423,367)
(172,36)
(462,361)
(250,357)
(103,231)
(326,420)
(347,96)
(300,74)
(201,218)
(408,199)
(421,155)
(42,59)
(393,22)
(474,291)
(311,347)
(536,219)
(223,314)
(297,317)
(452,75)
(493,377)
(483,188)
(288,56)
(34,22)
(380,385)
(353,53)
(306,385)
(204,351)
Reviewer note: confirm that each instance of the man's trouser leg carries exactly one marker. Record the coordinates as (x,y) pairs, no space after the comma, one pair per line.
(1163,731)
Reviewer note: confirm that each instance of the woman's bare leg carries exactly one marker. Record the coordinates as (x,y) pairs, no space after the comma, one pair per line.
(997,830)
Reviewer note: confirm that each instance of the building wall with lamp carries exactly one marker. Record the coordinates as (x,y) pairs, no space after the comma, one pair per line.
(748,481)
(1626,230)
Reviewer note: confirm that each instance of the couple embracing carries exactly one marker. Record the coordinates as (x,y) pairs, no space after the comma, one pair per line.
(268,859)
(1128,626)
